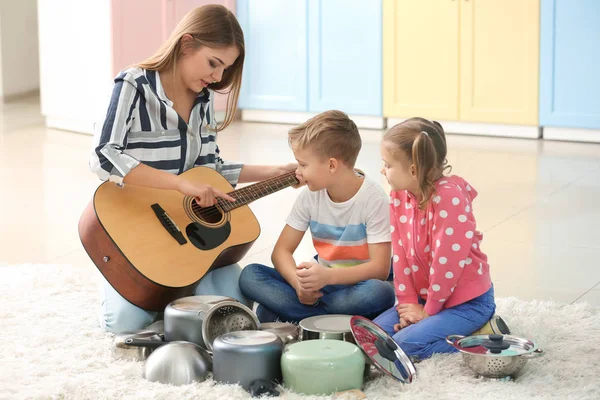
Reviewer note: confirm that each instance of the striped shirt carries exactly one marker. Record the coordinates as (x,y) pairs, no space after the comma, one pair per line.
(342,232)
(141,126)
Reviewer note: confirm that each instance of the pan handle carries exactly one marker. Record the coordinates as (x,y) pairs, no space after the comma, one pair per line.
(533,354)
(152,344)
(452,339)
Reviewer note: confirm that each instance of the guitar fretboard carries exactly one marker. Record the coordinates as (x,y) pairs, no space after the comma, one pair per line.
(257,190)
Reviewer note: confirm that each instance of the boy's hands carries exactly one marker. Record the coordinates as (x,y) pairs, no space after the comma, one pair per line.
(309,277)
(308,297)
(312,276)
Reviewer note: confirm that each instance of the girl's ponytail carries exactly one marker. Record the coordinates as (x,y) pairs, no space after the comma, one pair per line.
(424,144)
(425,160)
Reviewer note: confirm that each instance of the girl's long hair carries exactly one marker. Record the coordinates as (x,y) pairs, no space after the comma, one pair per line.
(212,26)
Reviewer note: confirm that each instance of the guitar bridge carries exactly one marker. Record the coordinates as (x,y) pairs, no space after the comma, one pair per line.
(168,223)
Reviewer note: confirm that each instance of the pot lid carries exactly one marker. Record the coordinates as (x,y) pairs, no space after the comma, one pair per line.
(194,303)
(493,345)
(249,338)
(334,323)
(387,356)
(279,327)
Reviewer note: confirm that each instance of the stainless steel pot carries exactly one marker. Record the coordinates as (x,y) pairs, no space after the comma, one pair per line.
(201,319)
(332,326)
(250,358)
(495,356)
(124,350)
(178,363)
(286,331)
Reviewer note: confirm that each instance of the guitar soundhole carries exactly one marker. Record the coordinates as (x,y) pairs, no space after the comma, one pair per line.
(210,215)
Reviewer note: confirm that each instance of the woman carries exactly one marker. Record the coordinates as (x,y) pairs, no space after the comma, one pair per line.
(161,122)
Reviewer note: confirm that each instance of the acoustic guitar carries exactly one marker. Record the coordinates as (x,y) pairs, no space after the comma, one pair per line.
(153,246)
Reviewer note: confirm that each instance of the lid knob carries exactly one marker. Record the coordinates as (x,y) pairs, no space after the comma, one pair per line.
(386,349)
(495,344)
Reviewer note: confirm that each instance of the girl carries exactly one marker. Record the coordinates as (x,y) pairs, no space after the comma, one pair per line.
(441,276)
(161,122)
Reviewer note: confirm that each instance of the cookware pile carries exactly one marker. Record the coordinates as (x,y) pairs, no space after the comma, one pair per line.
(322,355)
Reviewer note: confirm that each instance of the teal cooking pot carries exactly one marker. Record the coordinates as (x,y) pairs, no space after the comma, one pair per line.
(322,366)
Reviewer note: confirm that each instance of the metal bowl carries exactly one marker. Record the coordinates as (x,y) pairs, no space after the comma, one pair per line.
(495,356)
(178,363)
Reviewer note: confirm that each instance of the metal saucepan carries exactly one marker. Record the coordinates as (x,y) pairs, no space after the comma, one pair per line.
(332,326)
(495,356)
(250,358)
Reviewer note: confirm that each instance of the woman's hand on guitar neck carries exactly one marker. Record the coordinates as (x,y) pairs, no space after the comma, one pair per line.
(257,173)
(205,195)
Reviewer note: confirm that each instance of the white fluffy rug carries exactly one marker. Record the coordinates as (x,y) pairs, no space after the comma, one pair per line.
(51,347)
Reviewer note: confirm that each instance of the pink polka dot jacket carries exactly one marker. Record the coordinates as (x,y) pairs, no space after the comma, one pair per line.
(437,253)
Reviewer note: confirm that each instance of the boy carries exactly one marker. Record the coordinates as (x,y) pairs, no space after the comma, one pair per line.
(348,216)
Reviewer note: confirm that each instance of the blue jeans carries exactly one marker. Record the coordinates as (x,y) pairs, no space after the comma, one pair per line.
(279,301)
(118,315)
(428,336)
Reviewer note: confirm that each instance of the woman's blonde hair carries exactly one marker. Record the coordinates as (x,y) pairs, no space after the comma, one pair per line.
(213,26)
(423,142)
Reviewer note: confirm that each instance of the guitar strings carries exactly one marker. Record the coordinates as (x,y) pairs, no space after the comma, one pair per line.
(226,206)
(245,195)
(207,212)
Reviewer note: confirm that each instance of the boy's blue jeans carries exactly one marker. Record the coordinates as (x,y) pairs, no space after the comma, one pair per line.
(428,336)
(279,301)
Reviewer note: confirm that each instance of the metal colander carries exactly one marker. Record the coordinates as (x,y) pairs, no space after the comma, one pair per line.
(494,367)
(203,318)
(495,356)
(225,317)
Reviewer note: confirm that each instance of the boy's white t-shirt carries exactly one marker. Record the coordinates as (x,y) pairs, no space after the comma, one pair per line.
(341,232)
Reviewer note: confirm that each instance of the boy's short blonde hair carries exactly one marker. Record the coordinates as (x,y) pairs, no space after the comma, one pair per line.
(330,134)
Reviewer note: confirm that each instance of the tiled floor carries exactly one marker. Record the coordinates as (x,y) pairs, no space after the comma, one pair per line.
(538,204)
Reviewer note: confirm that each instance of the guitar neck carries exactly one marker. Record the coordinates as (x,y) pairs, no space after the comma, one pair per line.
(257,190)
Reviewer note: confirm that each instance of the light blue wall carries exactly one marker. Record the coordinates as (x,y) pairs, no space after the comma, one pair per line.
(312,55)
(570,63)
(345,56)
(275,68)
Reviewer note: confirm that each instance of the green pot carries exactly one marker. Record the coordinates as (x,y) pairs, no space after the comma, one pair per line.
(322,366)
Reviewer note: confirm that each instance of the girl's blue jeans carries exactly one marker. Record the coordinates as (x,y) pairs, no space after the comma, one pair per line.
(428,336)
